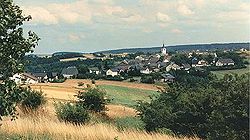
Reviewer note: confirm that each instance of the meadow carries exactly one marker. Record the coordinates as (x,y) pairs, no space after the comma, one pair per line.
(221,73)
(127,96)
(119,123)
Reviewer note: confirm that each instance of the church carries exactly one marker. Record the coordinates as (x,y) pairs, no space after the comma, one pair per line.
(164,50)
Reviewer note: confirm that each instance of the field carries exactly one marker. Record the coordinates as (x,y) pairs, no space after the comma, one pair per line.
(127,96)
(122,123)
(221,73)
(41,127)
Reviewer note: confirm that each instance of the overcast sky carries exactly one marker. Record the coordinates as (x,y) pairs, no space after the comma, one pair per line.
(94,25)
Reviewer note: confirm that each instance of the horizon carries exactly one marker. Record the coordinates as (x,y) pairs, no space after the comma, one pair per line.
(99,25)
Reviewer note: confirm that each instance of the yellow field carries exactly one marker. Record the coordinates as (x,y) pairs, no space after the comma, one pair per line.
(45,122)
(42,124)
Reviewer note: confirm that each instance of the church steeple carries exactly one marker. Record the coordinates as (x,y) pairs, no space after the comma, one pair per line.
(164,49)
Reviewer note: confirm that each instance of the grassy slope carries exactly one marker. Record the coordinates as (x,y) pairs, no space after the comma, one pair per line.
(127,96)
(221,73)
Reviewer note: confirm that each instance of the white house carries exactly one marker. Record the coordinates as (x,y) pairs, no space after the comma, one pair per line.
(112,72)
(200,63)
(173,66)
(94,70)
(24,78)
(225,62)
(145,71)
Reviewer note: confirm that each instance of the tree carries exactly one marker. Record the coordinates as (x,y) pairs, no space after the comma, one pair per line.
(93,99)
(219,110)
(13,47)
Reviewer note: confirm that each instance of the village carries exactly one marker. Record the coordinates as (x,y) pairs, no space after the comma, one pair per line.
(144,68)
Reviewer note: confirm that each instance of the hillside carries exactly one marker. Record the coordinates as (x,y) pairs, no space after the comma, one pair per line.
(182,48)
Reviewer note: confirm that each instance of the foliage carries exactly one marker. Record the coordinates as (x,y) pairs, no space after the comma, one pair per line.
(32,99)
(147,79)
(129,123)
(180,59)
(219,110)
(93,99)
(10,95)
(72,113)
(13,46)
(60,80)
(114,78)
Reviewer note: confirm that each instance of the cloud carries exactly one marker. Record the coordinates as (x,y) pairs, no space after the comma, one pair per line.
(184,10)
(75,37)
(163,17)
(40,15)
(176,31)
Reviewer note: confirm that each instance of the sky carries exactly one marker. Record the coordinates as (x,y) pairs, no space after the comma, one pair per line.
(95,25)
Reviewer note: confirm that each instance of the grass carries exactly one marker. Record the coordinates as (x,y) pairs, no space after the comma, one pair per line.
(124,123)
(127,96)
(221,73)
(41,127)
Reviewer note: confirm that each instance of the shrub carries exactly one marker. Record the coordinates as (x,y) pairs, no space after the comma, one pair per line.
(147,79)
(219,110)
(93,99)
(72,113)
(32,99)
(132,80)
(93,81)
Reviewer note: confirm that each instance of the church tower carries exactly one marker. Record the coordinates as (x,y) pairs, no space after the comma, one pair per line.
(164,50)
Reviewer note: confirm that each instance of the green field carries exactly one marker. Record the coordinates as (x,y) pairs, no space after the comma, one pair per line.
(127,96)
(221,73)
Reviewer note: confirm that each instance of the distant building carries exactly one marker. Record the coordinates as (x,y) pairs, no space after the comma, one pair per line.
(42,77)
(200,63)
(94,70)
(225,62)
(69,72)
(24,78)
(164,50)
(173,66)
(167,78)
(185,67)
(145,70)
(112,72)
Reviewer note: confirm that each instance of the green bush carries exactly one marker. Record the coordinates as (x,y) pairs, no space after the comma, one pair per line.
(147,79)
(32,99)
(93,99)
(219,110)
(72,113)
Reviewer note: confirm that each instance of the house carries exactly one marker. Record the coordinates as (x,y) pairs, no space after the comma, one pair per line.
(201,63)
(42,77)
(52,76)
(225,62)
(24,78)
(167,78)
(145,70)
(185,66)
(94,70)
(29,79)
(173,66)
(112,72)
(69,72)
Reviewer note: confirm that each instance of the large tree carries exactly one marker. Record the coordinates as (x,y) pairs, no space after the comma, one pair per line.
(13,47)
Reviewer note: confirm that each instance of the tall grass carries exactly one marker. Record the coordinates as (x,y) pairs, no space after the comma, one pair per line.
(40,125)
